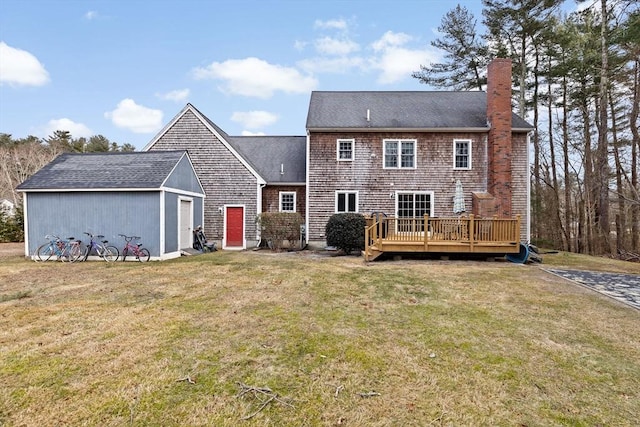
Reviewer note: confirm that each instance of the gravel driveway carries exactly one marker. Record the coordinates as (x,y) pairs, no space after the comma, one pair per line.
(621,287)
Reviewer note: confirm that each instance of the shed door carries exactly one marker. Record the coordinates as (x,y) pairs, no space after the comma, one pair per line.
(235,226)
(185,224)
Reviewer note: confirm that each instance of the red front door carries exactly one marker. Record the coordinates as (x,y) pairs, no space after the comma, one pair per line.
(235,226)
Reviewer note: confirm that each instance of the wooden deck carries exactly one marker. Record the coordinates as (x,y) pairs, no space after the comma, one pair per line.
(443,235)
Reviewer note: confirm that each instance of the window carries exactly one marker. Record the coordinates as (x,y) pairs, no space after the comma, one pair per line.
(462,154)
(344,148)
(287,201)
(412,206)
(346,201)
(399,154)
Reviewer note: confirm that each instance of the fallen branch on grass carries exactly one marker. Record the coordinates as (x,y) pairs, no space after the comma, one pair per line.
(368,394)
(256,392)
(187,379)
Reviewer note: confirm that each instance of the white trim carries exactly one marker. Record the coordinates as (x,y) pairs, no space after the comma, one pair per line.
(183,192)
(25,218)
(192,169)
(469,152)
(306,202)
(180,200)
(353,149)
(244,228)
(528,174)
(399,141)
(431,200)
(347,192)
(280,194)
(162,224)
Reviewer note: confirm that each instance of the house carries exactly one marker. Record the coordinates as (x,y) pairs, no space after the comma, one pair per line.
(154,195)
(401,154)
(7,207)
(242,176)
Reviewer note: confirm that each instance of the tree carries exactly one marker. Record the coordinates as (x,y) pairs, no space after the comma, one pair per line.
(465,54)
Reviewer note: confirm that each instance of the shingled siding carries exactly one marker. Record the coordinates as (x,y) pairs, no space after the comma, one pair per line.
(224,178)
(271,197)
(519,179)
(377,186)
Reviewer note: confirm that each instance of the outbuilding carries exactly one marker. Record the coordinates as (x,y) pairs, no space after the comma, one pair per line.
(155,195)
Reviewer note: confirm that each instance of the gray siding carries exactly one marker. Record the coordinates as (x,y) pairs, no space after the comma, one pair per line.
(108,213)
(184,178)
(224,178)
(170,222)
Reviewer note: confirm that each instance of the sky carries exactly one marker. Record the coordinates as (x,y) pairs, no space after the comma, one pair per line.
(125,68)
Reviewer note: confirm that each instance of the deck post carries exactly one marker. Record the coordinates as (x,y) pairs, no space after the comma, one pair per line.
(518,228)
(426,232)
(472,232)
(366,243)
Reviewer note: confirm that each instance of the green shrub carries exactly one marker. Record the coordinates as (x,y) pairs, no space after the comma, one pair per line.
(280,227)
(11,227)
(345,231)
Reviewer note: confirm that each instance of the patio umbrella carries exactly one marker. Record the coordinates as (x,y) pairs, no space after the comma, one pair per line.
(458,199)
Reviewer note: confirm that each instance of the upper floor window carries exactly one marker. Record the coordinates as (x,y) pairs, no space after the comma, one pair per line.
(462,154)
(399,153)
(344,148)
(346,201)
(287,201)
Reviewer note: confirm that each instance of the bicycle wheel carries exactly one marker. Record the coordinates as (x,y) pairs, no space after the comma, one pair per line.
(124,254)
(143,255)
(110,253)
(75,253)
(45,252)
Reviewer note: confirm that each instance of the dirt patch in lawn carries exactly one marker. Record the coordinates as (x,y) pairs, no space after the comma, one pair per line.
(11,249)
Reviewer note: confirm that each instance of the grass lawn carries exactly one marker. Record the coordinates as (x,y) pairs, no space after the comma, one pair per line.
(304,339)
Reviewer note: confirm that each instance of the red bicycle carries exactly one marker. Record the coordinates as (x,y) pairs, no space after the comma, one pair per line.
(141,254)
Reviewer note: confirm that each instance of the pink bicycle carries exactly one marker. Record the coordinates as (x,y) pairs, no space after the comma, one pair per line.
(141,254)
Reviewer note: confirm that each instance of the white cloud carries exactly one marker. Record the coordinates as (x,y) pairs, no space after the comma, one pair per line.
(255,77)
(338,65)
(179,95)
(333,46)
(77,130)
(134,117)
(398,63)
(92,14)
(390,40)
(395,61)
(332,24)
(254,119)
(249,133)
(299,45)
(20,68)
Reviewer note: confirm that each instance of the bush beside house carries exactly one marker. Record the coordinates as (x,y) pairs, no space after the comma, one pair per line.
(345,231)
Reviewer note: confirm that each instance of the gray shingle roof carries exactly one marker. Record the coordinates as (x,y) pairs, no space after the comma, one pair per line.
(271,155)
(73,171)
(401,110)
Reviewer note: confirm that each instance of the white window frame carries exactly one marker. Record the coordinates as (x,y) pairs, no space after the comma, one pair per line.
(455,153)
(399,143)
(286,193)
(412,193)
(346,202)
(353,146)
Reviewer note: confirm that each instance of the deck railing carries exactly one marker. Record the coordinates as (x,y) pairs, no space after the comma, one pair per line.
(468,231)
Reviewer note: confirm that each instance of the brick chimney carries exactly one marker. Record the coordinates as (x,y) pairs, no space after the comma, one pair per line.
(499,143)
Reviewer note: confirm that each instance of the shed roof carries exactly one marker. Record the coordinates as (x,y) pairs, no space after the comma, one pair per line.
(91,171)
(278,159)
(437,110)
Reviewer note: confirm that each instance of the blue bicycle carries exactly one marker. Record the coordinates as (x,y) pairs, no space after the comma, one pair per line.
(101,248)
(62,249)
